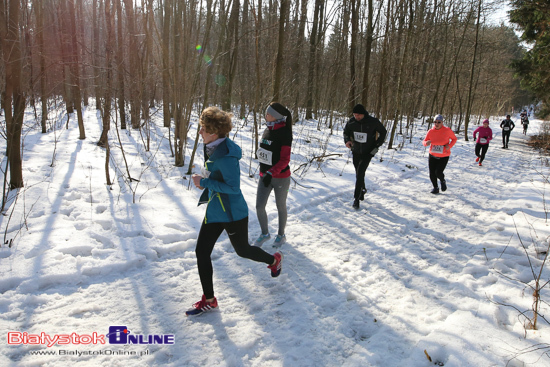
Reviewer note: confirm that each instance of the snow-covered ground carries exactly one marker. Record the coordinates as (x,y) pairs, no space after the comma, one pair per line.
(410,274)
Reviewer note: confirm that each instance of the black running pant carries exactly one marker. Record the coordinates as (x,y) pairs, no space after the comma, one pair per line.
(505,137)
(361,162)
(238,235)
(481,150)
(437,166)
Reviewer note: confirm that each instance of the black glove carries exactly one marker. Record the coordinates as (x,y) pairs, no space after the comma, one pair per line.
(267,179)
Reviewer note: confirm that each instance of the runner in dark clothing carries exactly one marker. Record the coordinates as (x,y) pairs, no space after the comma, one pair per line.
(507,126)
(525,123)
(360,135)
(274,157)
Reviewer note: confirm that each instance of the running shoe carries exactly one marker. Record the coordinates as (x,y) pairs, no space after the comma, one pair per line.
(279,240)
(202,306)
(276,268)
(262,239)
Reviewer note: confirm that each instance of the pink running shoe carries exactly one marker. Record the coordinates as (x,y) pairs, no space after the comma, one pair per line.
(276,268)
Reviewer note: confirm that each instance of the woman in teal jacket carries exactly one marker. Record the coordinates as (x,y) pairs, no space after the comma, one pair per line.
(222,190)
(226,208)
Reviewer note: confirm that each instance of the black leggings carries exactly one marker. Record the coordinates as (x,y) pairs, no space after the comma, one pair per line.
(505,137)
(481,150)
(437,166)
(238,235)
(361,163)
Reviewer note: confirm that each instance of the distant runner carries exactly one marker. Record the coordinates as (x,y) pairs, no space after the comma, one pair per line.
(484,136)
(507,126)
(524,123)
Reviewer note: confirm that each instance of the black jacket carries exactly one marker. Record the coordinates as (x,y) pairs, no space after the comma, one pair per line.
(507,123)
(363,134)
(274,140)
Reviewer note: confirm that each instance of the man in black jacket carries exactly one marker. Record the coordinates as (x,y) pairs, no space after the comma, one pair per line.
(507,126)
(360,135)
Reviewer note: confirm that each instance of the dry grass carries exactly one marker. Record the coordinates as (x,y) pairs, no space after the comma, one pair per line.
(541,141)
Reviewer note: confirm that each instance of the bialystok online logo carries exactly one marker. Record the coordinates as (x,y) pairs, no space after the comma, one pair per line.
(116,335)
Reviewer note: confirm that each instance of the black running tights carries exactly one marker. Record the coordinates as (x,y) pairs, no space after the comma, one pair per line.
(437,166)
(505,138)
(361,163)
(481,150)
(238,235)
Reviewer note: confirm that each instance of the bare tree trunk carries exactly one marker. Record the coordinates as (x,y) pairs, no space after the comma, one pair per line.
(205,44)
(95,56)
(354,10)
(119,59)
(425,53)
(312,59)
(179,86)
(368,51)
(257,29)
(232,44)
(440,73)
(383,67)
(39,14)
(166,62)
(340,63)
(244,64)
(185,75)
(66,58)
(455,61)
(296,77)
(134,64)
(401,77)
(280,50)
(104,139)
(11,52)
(83,53)
(75,71)
(146,68)
(319,56)
(469,101)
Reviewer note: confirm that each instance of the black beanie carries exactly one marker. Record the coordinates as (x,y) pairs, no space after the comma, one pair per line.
(360,109)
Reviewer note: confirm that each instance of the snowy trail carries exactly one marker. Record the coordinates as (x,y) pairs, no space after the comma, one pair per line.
(409,271)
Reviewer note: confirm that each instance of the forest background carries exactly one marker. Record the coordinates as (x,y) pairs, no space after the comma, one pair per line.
(402,59)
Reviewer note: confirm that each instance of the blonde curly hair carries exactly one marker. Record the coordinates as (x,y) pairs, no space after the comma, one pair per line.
(216,121)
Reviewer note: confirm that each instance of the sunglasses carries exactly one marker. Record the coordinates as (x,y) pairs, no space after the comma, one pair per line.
(438,122)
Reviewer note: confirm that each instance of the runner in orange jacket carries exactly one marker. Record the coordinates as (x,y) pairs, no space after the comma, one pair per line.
(440,139)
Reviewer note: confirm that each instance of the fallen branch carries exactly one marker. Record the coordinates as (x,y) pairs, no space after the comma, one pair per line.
(318,158)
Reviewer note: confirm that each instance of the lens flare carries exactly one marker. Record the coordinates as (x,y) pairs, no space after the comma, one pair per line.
(198,48)
(207,60)
(220,80)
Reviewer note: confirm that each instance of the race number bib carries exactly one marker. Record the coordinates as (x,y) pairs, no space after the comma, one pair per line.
(437,149)
(360,137)
(265,156)
(482,140)
(506,128)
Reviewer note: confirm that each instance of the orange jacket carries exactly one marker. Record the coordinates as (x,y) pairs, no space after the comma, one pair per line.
(441,141)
